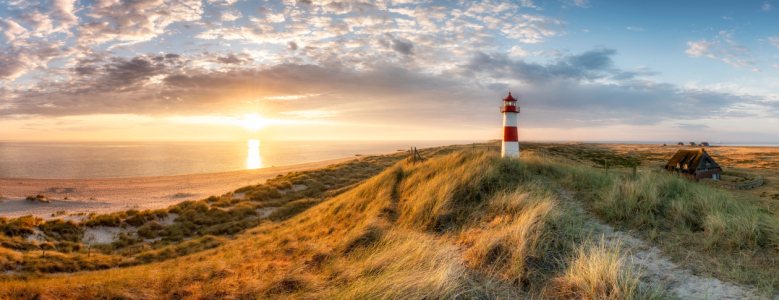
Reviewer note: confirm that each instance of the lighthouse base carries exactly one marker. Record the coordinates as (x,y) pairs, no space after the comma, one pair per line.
(510,149)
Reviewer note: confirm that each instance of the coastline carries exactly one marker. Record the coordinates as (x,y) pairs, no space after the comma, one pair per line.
(106,195)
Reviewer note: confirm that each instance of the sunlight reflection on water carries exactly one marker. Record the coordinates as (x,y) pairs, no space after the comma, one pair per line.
(253,160)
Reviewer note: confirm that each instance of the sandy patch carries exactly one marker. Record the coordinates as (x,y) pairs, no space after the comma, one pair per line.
(295,188)
(103,234)
(105,195)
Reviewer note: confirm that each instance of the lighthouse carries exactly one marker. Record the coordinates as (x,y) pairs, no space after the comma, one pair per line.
(510,138)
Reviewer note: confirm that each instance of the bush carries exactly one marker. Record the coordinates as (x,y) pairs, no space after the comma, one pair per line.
(150,230)
(110,220)
(22,226)
(62,230)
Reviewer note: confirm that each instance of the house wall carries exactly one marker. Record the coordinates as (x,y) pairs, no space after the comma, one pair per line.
(706,174)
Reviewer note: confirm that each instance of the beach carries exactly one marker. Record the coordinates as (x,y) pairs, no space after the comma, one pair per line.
(105,195)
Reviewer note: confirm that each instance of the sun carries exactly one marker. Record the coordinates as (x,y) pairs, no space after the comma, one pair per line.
(253,122)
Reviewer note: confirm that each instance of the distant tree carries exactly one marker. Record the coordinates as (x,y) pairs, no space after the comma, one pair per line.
(46,246)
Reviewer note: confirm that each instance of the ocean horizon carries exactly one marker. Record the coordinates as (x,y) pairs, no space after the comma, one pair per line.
(82,159)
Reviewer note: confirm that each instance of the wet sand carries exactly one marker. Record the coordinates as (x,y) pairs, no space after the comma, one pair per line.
(105,195)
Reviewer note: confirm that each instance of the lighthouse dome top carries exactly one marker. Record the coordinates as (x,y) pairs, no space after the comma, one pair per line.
(509,98)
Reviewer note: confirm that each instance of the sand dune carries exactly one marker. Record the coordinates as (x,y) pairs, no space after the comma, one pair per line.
(103,195)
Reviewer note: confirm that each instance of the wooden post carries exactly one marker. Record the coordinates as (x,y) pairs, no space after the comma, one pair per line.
(89,251)
(606,165)
(417,154)
(634,173)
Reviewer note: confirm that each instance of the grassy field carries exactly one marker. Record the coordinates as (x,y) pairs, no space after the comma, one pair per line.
(464,223)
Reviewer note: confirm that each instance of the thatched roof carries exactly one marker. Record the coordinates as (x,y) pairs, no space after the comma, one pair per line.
(692,159)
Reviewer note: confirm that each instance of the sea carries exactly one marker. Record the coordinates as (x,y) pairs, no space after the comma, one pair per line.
(158,158)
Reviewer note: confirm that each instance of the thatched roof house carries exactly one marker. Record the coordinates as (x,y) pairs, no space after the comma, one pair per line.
(680,144)
(693,164)
(692,143)
(704,144)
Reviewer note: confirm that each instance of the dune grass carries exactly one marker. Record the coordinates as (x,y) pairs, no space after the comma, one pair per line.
(711,230)
(466,224)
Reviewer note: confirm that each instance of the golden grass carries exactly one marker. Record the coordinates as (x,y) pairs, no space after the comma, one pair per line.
(464,225)
(597,271)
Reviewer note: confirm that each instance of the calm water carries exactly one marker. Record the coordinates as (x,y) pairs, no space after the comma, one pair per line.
(134,159)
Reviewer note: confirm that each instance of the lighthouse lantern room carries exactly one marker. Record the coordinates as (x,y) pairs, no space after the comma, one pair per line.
(510,137)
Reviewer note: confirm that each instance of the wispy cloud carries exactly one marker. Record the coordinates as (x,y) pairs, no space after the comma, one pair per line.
(766,6)
(635,28)
(723,47)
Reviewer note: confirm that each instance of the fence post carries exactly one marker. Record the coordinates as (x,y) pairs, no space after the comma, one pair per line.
(606,165)
(634,173)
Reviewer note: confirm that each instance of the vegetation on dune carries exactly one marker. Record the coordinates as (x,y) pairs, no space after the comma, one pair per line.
(465,223)
(712,229)
(154,235)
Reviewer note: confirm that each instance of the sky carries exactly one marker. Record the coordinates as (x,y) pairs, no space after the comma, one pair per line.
(583,70)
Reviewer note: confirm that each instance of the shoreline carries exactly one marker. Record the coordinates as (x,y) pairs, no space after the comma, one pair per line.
(106,195)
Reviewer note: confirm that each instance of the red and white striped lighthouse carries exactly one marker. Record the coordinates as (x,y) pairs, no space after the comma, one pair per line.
(510,138)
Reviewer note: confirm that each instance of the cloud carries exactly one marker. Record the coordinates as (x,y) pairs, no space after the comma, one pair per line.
(723,48)
(635,28)
(774,41)
(12,31)
(399,45)
(230,15)
(766,6)
(590,65)
(15,62)
(700,48)
(569,88)
(517,51)
(135,21)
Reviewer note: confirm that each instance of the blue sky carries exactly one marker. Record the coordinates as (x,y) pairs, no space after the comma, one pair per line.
(406,69)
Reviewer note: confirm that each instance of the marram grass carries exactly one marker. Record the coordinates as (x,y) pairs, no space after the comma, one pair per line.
(463,225)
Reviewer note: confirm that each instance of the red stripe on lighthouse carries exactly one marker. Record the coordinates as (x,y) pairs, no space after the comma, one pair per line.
(510,134)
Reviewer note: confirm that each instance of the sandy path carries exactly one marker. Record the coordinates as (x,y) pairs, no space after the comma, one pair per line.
(658,269)
(103,195)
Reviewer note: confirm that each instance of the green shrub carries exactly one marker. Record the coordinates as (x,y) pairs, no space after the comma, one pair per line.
(111,220)
(161,213)
(22,226)
(150,230)
(62,230)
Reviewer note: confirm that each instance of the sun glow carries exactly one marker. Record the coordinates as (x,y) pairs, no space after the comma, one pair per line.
(253,122)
